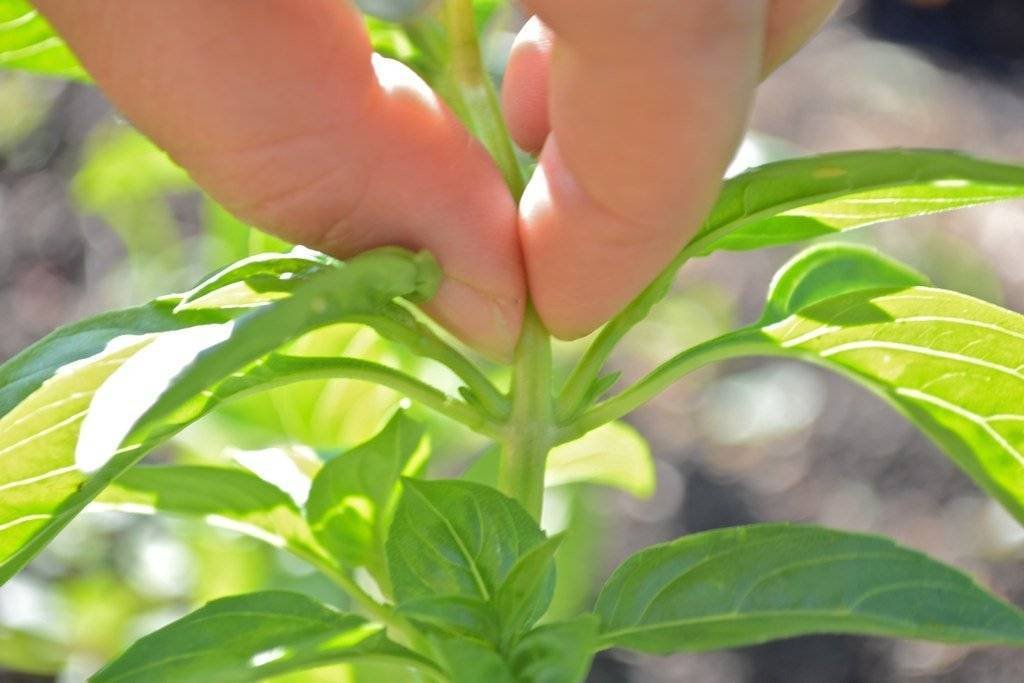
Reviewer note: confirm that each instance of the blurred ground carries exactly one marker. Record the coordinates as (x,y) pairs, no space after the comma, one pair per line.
(754,440)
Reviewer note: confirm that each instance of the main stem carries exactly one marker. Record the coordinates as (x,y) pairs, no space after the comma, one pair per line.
(529,433)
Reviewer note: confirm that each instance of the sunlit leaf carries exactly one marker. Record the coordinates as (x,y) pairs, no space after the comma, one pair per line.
(829,270)
(612,455)
(267,271)
(952,364)
(28,42)
(69,400)
(352,497)
(326,415)
(746,585)
(229,498)
(252,637)
(793,200)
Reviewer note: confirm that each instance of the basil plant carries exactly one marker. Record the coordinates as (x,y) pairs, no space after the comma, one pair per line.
(450,579)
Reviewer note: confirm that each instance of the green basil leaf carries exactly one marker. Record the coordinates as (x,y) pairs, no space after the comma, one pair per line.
(37,438)
(28,42)
(74,346)
(613,455)
(455,615)
(263,272)
(469,661)
(327,414)
(950,363)
(525,594)
(560,652)
(746,585)
(251,637)
(162,387)
(797,199)
(826,270)
(353,496)
(229,498)
(518,602)
(59,425)
(455,538)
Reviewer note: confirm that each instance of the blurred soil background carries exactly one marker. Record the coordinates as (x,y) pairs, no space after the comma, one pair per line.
(750,441)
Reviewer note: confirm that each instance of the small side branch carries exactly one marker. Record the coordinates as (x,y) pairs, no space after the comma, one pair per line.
(745,342)
(577,386)
(402,327)
(283,369)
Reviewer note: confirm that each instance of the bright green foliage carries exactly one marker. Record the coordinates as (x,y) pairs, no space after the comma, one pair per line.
(524,595)
(829,270)
(259,272)
(557,652)
(469,561)
(51,392)
(230,498)
(353,496)
(465,573)
(37,466)
(794,200)
(28,42)
(613,455)
(251,637)
(468,661)
(453,538)
(751,584)
(952,364)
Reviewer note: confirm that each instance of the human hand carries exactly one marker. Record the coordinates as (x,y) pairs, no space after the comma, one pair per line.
(278,111)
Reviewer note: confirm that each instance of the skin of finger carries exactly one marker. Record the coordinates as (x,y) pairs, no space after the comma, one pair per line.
(524,93)
(647,106)
(278,111)
(791,23)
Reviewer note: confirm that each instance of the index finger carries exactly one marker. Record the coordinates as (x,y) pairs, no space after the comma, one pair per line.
(277,109)
(647,104)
